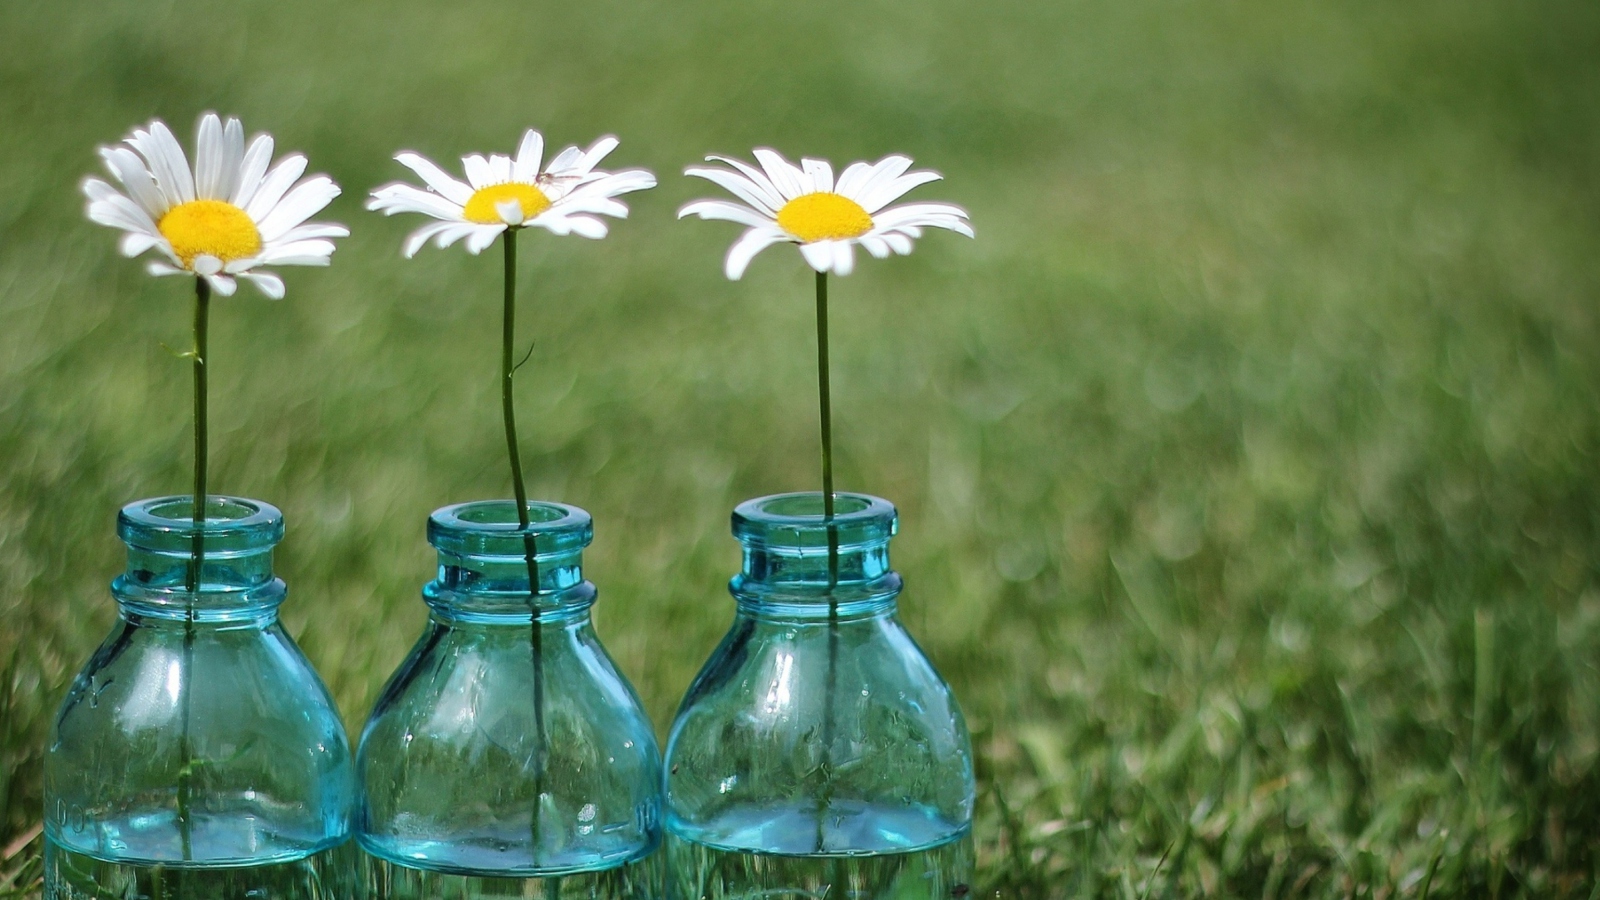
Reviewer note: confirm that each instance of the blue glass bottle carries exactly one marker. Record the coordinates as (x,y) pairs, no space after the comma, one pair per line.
(507,756)
(197,756)
(818,754)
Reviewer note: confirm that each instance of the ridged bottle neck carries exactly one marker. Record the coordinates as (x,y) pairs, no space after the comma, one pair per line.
(216,570)
(800,564)
(484,572)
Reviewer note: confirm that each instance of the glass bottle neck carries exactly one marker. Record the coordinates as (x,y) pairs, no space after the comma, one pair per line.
(488,561)
(801,564)
(216,570)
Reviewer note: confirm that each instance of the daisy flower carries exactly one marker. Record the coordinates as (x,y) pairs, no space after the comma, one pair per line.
(222,220)
(503,192)
(804,205)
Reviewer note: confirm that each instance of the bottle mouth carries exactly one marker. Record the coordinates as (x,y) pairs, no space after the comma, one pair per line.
(231,525)
(796,522)
(233,579)
(490,528)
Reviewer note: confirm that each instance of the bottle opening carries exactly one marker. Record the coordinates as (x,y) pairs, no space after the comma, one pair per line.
(795,557)
(490,528)
(231,525)
(233,577)
(483,558)
(796,522)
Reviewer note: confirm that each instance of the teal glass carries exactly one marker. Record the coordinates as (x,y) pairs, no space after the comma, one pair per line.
(818,752)
(198,755)
(507,755)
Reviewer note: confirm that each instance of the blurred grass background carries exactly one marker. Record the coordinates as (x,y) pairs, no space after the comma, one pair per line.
(1247,460)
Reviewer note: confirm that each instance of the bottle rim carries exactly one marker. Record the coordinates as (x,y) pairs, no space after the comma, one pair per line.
(490,528)
(231,524)
(795,520)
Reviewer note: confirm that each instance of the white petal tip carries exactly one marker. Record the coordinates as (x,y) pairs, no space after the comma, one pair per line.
(510,211)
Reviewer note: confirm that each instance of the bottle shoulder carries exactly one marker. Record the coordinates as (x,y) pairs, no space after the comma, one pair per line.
(471,691)
(143,678)
(783,667)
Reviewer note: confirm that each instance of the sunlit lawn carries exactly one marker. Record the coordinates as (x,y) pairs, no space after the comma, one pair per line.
(1247,460)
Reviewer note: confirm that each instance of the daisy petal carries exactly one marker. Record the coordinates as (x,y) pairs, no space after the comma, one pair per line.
(897,242)
(306,200)
(818,254)
(436,178)
(116,211)
(500,165)
(820,174)
(918,212)
(851,179)
(134,243)
(273,187)
(315,230)
(529,154)
(457,231)
(158,268)
(884,172)
(313,252)
(775,198)
(403,198)
(723,211)
(481,237)
(625,182)
(739,186)
(597,151)
(586,226)
(510,210)
(844,258)
(876,245)
(255,163)
(789,181)
(232,159)
(416,239)
(265,282)
(479,173)
(208,156)
(880,195)
(222,284)
(129,169)
(565,162)
(553,222)
(597,205)
(747,246)
(165,160)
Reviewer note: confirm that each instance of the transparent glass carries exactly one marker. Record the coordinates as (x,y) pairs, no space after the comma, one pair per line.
(197,753)
(818,750)
(507,745)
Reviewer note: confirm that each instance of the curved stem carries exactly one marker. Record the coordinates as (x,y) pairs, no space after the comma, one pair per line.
(825,410)
(195,575)
(508,411)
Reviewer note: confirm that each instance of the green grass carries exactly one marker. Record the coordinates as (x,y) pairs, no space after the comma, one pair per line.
(1249,461)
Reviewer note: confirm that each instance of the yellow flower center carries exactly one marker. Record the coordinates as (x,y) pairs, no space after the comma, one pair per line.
(824,216)
(209,227)
(481,207)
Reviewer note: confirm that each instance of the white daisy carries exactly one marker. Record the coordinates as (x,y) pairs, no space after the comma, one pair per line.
(804,205)
(503,192)
(223,219)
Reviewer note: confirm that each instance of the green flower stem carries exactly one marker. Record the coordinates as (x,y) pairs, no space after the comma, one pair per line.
(825,406)
(535,636)
(202,317)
